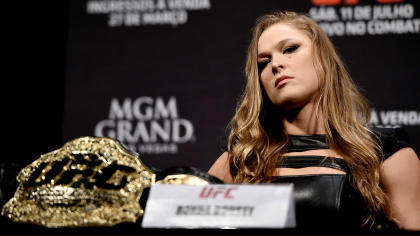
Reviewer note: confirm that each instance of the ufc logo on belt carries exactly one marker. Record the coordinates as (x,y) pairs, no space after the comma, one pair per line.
(80,171)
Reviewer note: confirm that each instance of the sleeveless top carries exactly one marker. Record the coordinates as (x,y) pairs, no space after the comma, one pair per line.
(328,201)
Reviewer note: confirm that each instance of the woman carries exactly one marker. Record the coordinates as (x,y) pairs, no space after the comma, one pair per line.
(301,119)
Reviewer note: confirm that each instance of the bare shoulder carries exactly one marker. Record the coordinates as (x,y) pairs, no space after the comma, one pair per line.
(401,179)
(220,168)
(402,164)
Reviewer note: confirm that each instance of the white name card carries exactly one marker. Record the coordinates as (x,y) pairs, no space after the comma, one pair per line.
(220,206)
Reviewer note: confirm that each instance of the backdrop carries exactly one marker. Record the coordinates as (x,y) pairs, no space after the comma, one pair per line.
(164,76)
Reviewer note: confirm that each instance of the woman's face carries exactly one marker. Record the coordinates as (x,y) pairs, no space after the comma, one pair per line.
(286,66)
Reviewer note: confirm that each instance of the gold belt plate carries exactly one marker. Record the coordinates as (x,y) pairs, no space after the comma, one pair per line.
(90,181)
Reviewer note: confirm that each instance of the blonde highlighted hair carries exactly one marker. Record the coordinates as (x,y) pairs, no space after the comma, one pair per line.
(254,148)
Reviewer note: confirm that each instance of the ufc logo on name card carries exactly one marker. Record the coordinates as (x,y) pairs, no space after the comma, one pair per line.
(219,206)
(214,192)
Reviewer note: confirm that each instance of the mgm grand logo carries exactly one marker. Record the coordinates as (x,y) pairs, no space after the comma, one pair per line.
(146,125)
(89,181)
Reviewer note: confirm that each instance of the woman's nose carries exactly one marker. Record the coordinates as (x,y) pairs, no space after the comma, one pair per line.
(277,65)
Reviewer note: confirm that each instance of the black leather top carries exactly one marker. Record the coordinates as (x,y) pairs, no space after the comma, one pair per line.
(328,201)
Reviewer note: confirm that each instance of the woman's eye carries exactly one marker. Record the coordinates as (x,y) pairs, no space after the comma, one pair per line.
(262,64)
(290,49)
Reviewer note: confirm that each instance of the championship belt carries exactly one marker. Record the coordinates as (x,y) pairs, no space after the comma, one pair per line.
(90,181)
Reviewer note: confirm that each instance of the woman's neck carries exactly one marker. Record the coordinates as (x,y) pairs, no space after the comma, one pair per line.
(303,121)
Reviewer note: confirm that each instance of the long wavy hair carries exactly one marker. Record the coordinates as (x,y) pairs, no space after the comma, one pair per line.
(256,143)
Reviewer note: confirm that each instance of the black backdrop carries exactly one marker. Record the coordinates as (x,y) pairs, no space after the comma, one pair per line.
(66,65)
(164,79)
(34,40)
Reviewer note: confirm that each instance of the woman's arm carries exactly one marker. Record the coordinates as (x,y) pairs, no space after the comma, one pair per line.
(401,179)
(220,168)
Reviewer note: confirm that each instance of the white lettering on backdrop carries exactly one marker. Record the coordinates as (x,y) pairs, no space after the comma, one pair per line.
(146,125)
(366,19)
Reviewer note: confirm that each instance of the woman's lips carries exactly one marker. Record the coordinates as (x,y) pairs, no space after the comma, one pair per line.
(282,80)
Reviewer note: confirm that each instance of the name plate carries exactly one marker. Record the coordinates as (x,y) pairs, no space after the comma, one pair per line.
(220,206)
